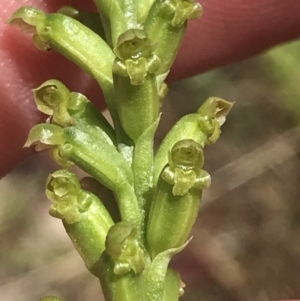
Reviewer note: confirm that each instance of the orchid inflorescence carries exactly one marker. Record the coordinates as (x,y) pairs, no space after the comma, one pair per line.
(136,210)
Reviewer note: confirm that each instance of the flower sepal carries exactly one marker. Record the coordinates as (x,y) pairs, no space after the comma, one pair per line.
(45,135)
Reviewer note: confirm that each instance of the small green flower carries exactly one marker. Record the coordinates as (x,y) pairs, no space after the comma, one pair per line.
(122,244)
(136,210)
(63,189)
(184,171)
(135,56)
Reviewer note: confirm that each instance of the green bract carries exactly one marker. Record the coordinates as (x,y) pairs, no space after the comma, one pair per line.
(135,210)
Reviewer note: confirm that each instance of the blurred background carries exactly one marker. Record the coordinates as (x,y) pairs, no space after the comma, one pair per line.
(246,244)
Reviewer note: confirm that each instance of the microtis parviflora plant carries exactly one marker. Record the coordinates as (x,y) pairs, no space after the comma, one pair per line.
(136,209)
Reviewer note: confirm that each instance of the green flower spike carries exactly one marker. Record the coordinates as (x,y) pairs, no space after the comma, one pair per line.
(184,171)
(135,82)
(123,246)
(204,127)
(166,25)
(85,218)
(177,197)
